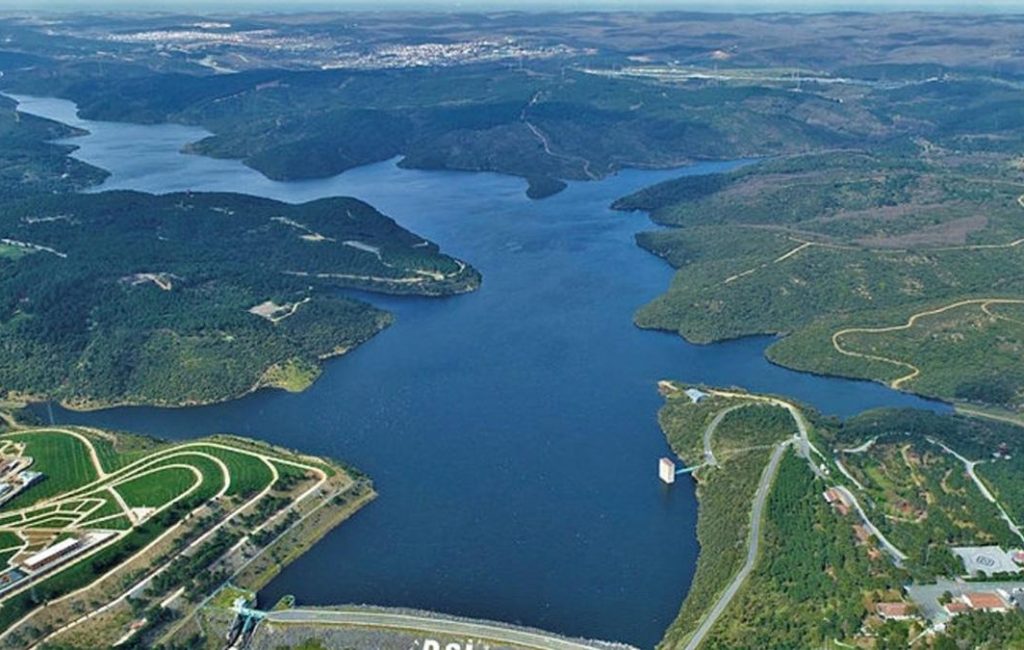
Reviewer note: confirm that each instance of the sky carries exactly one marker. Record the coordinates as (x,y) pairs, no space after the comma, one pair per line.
(487,5)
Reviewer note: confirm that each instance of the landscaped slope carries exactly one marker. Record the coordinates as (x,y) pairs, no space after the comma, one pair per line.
(139,533)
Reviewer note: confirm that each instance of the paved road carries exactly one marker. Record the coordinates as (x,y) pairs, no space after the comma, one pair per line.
(709,454)
(897,555)
(969,466)
(753,546)
(482,630)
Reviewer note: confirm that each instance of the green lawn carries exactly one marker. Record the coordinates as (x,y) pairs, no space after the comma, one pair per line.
(212,475)
(128,450)
(248,473)
(109,508)
(155,489)
(117,523)
(8,540)
(62,458)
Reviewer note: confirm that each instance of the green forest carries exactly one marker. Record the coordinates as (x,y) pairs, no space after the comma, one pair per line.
(541,126)
(830,248)
(815,584)
(126,297)
(30,164)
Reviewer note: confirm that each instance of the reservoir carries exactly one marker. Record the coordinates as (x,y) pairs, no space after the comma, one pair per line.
(512,432)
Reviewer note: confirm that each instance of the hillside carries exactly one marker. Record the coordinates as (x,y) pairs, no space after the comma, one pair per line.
(874,521)
(898,266)
(126,297)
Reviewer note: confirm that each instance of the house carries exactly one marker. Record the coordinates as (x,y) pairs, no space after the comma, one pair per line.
(956,608)
(835,498)
(895,611)
(52,554)
(29,478)
(696,395)
(987,601)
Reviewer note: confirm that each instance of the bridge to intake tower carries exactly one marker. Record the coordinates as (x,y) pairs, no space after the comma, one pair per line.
(668,472)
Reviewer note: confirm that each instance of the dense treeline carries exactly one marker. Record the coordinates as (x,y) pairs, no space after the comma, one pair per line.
(30,163)
(812,583)
(921,218)
(812,245)
(128,297)
(303,124)
(983,631)
(741,444)
(815,582)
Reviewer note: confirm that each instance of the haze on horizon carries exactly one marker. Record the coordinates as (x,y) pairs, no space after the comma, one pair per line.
(1013,6)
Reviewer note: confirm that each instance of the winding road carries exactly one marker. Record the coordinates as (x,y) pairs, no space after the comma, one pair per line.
(709,453)
(914,370)
(806,450)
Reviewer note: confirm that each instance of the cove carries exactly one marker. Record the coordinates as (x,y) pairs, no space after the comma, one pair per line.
(511,432)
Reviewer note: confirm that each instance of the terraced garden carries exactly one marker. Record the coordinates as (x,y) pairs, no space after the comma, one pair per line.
(134,506)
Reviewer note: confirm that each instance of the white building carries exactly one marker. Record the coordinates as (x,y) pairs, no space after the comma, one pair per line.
(47,555)
(667,471)
(695,394)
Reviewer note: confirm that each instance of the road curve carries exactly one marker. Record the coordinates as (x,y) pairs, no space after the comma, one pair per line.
(535,640)
(894,552)
(709,431)
(753,547)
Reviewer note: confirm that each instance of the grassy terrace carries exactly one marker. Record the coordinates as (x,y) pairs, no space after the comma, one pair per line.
(176,520)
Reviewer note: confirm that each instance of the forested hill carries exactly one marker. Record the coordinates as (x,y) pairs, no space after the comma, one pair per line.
(124,297)
(901,266)
(540,125)
(29,163)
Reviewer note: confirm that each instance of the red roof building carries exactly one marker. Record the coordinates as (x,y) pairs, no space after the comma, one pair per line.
(895,611)
(986,601)
(956,607)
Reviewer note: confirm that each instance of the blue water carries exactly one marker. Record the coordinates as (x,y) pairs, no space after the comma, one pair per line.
(511,432)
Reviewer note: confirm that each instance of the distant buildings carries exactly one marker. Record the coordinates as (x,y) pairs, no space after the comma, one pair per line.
(51,554)
(988,601)
(997,601)
(15,478)
(59,553)
(837,500)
